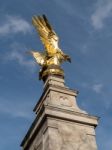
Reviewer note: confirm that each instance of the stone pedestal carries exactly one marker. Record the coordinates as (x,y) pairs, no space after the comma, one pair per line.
(59,123)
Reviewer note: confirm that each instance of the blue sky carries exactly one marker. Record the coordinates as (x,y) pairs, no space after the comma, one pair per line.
(85,31)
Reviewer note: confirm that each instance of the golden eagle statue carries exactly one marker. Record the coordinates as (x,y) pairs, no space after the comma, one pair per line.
(51,59)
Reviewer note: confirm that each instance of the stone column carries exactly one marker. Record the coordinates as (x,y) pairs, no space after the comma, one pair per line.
(60,124)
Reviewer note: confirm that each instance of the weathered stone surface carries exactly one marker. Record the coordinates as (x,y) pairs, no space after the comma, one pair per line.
(60,124)
(72,137)
(57,94)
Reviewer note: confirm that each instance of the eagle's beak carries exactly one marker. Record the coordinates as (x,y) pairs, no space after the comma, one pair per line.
(68,58)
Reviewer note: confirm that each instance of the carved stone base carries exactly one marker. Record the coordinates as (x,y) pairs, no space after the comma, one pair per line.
(60,124)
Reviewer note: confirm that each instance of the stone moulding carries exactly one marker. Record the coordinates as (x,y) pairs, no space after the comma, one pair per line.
(60,124)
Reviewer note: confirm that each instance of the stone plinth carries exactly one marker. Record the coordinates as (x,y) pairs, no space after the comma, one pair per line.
(59,123)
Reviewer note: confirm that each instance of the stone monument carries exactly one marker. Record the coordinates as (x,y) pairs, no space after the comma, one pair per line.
(59,124)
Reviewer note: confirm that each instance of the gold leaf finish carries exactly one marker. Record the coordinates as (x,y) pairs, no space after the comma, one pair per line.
(50,60)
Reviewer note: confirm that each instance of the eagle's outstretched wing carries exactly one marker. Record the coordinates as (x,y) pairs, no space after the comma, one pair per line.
(47,34)
(39,57)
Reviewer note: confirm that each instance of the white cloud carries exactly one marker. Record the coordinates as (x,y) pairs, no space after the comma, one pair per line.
(15,109)
(103,10)
(21,60)
(14,24)
(97,87)
(18,54)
